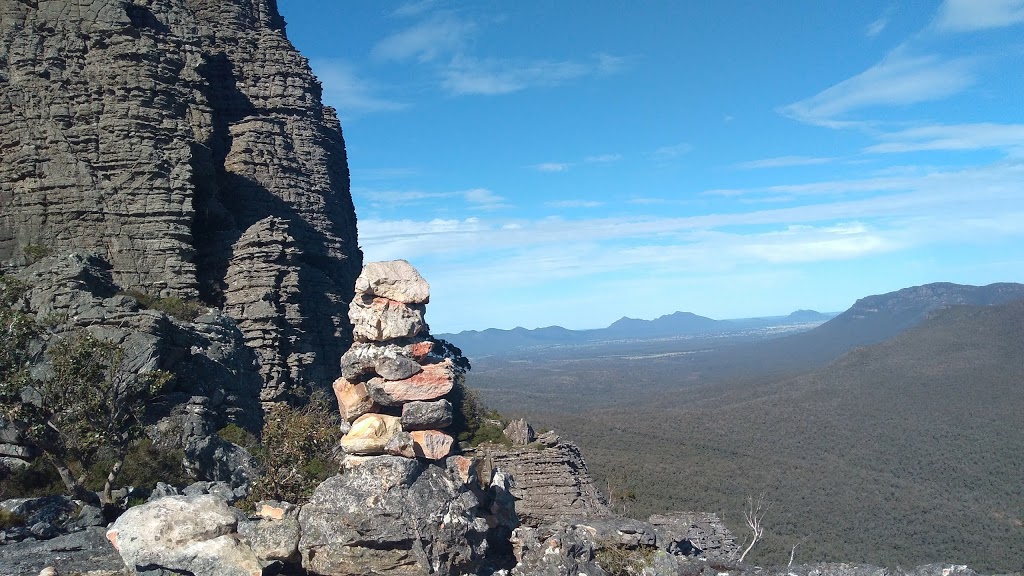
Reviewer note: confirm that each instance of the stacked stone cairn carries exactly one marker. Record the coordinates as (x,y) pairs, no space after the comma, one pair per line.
(393,390)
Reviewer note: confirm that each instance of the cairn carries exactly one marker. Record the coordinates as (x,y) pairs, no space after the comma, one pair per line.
(392,390)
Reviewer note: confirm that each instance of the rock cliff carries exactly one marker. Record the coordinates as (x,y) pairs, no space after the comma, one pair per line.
(185,142)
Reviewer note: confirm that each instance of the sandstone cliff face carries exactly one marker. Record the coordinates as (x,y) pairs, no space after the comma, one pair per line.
(185,142)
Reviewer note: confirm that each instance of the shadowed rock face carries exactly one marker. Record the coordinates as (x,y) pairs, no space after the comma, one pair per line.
(185,142)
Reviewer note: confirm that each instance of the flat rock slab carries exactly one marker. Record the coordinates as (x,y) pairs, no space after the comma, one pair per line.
(74,553)
(432,383)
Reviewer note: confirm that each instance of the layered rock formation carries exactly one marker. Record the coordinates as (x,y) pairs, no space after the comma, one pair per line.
(392,390)
(185,142)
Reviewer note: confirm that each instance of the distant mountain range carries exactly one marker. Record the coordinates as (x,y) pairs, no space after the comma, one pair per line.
(676,325)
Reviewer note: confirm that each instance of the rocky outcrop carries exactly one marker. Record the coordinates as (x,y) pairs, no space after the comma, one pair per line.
(395,515)
(551,482)
(216,382)
(185,142)
(695,534)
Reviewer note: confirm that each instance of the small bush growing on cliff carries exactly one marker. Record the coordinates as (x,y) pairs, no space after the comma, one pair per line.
(618,560)
(182,309)
(90,406)
(472,422)
(36,252)
(296,450)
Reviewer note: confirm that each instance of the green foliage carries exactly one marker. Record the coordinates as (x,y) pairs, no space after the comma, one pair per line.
(17,330)
(297,449)
(36,252)
(618,560)
(472,421)
(144,465)
(237,435)
(182,309)
(39,478)
(10,519)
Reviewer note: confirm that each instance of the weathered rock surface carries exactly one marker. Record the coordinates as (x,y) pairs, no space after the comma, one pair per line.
(395,280)
(353,399)
(431,444)
(703,531)
(216,382)
(188,534)
(550,483)
(433,382)
(394,515)
(391,362)
(380,319)
(186,141)
(426,415)
(84,552)
(519,432)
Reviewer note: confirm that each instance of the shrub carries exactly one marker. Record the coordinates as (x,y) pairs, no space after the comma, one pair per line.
(182,309)
(36,252)
(618,560)
(10,519)
(39,478)
(296,451)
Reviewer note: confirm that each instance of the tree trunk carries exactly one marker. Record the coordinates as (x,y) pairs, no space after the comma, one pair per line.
(111,477)
(73,485)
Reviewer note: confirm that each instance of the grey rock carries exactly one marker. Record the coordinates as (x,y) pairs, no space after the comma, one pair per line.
(394,515)
(519,432)
(550,483)
(549,438)
(694,533)
(161,490)
(389,361)
(186,534)
(158,134)
(87,517)
(83,552)
(558,551)
(44,517)
(214,459)
(421,415)
(273,539)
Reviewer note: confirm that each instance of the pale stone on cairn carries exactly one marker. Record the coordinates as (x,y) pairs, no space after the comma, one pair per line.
(380,319)
(431,444)
(353,399)
(395,280)
(390,361)
(370,434)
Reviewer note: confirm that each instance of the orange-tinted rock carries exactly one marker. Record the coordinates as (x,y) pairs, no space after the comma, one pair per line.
(370,434)
(353,399)
(463,465)
(431,444)
(433,382)
(419,350)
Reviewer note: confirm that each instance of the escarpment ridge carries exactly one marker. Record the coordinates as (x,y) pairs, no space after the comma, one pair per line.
(184,142)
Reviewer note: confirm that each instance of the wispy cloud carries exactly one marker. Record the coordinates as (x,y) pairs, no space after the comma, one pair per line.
(672,151)
(552,166)
(484,199)
(1008,137)
(479,198)
(439,35)
(466,75)
(412,9)
(347,92)
(897,80)
(876,27)
(574,204)
(970,15)
(784,162)
(603,158)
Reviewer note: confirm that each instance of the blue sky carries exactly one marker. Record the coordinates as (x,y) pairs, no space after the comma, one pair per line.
(573,162)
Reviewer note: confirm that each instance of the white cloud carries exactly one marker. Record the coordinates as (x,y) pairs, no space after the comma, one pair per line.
(347,92)
(783,162)
(603,158)
(1009,137)
(552,166)
(876,27)
(466,75)
(437,36)
(673,151)
(480,198)
(484,198)
(574,204)
(412,9)
(897,80)
(969,15)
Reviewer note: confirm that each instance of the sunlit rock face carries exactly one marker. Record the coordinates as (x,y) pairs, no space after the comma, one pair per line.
(185,142)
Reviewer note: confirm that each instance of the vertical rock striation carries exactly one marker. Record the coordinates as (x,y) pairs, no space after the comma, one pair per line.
(185,142)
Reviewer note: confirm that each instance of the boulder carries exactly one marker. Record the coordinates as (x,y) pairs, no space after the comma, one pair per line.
(389,361)
(353,399)
(433,382)
(370,434)
(419,415)
(274,534)
(213,458)
(186,534)
(395,280)
(84,552)
(401,444)
(380,319)
(519,432)
(389,515)
(431,444)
